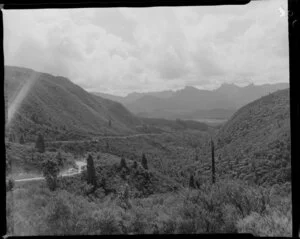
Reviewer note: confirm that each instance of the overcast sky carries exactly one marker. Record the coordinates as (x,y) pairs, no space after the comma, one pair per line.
(121,50)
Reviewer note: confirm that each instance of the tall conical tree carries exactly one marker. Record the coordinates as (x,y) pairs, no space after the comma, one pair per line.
(192,182)
(144,161)
(40,144)
(213,162)
(197,184)
(91,173)
(50,172)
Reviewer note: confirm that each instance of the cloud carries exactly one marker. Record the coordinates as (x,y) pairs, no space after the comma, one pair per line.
(122,50)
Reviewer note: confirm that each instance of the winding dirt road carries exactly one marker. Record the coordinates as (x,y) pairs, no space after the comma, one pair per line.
(81,164)
(67,173)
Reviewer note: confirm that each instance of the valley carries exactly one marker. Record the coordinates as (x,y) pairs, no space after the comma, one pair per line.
(79,164)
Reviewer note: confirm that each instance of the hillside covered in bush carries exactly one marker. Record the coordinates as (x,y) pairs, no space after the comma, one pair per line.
(254,145)
(57,108)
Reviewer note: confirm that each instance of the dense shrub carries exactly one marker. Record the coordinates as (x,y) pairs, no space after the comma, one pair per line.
(272,223)
(10,183)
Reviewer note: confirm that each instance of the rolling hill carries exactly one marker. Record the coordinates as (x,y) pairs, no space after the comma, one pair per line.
(57,108)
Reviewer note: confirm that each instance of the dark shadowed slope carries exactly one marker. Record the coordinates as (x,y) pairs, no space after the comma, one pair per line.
(58,108)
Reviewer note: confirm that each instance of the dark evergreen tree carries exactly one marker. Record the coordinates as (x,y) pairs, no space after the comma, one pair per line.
(91,172)
(135,164)
(107,147)
(40,144)
(22,141)
(144,162)
(197,184)
(192,182)
(213,162)
(10,183)
(50,172)
(123,163)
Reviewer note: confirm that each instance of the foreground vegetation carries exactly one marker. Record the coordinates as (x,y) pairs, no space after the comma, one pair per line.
(224,207)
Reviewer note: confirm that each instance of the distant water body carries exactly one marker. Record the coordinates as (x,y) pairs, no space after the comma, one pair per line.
(212,121)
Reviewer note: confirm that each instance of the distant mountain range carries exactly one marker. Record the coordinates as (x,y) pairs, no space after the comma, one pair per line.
(192,103)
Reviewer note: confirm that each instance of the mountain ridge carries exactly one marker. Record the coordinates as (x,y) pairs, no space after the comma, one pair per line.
(186,102)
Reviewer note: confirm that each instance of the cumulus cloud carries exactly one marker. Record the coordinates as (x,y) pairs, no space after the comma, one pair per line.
(120,50)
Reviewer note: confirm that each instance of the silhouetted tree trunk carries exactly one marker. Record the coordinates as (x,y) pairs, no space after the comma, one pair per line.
(144,162)
(213,161)
(197,184)
(192,182)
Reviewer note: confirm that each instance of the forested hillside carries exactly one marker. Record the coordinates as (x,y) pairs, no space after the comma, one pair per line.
(254,145)
(57,108)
